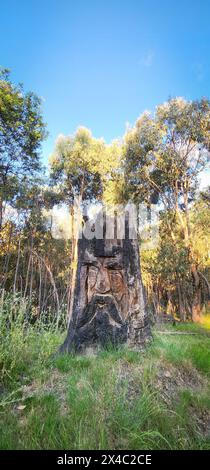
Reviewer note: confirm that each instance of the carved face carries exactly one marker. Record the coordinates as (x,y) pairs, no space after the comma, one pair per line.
(105,276)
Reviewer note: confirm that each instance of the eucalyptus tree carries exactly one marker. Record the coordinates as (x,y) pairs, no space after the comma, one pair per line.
(22,131)
(164,154)
(78,166)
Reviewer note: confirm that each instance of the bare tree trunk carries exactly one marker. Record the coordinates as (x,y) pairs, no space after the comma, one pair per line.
(1,213)
(55,292)
(6,267)
(181,304)
(44,291)
(31,279)
(74,255)
(40,285)
(196,304)
(170,306)
(16,267)
(186,206)
(27,276)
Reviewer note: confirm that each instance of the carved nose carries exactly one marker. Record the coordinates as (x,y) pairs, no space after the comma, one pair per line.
(103,285)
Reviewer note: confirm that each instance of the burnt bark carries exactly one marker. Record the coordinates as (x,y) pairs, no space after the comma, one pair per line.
(108,304)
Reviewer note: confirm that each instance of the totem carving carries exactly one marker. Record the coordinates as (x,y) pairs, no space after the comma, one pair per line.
(109,304)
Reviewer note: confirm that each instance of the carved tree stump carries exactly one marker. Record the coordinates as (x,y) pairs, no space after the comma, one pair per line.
(108,305)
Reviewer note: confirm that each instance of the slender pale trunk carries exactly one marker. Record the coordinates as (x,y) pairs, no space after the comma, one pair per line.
(55,291)
(196,304)
(6,266)
(185,223)
(74,255)
(31,279)
(27,276)
(40,285)
(181,303)
(170,306)
(17,267)
(1,213)
(44,292)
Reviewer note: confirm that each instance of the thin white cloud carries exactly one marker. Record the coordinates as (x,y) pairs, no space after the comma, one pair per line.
(198,69)
(147,59)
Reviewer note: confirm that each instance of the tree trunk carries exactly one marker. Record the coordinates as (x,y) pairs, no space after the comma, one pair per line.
(181,304)
(1,213)
(196,304)
(108,301)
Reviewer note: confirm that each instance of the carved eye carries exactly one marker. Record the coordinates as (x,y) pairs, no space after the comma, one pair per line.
(116,275)
(93,268)
(92,275)
(114,268)
(116,280)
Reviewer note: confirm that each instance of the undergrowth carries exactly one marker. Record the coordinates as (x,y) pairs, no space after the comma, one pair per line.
(119,399)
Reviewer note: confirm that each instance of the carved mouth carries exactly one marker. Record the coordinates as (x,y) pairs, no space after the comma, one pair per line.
(102,302)
(102,299)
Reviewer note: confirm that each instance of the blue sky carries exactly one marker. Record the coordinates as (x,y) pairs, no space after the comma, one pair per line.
(101,63)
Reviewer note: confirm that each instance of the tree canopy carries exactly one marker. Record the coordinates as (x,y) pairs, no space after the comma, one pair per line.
(158,161)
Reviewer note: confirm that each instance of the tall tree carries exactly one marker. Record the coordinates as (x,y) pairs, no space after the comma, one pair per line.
(22,131)
(75,168)
(164,155)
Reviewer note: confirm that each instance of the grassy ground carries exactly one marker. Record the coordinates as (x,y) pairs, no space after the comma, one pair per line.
(158,399)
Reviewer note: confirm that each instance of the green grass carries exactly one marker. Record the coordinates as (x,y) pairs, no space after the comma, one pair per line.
(119,399)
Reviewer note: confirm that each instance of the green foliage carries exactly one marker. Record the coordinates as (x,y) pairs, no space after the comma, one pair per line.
(107,401)
(200,220)
(193,350)
(75,165)
(163,156)
(22,131)
(114,400)
(162,151)
(22,343)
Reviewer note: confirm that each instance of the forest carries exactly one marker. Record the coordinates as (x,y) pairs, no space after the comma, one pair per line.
(159,162)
